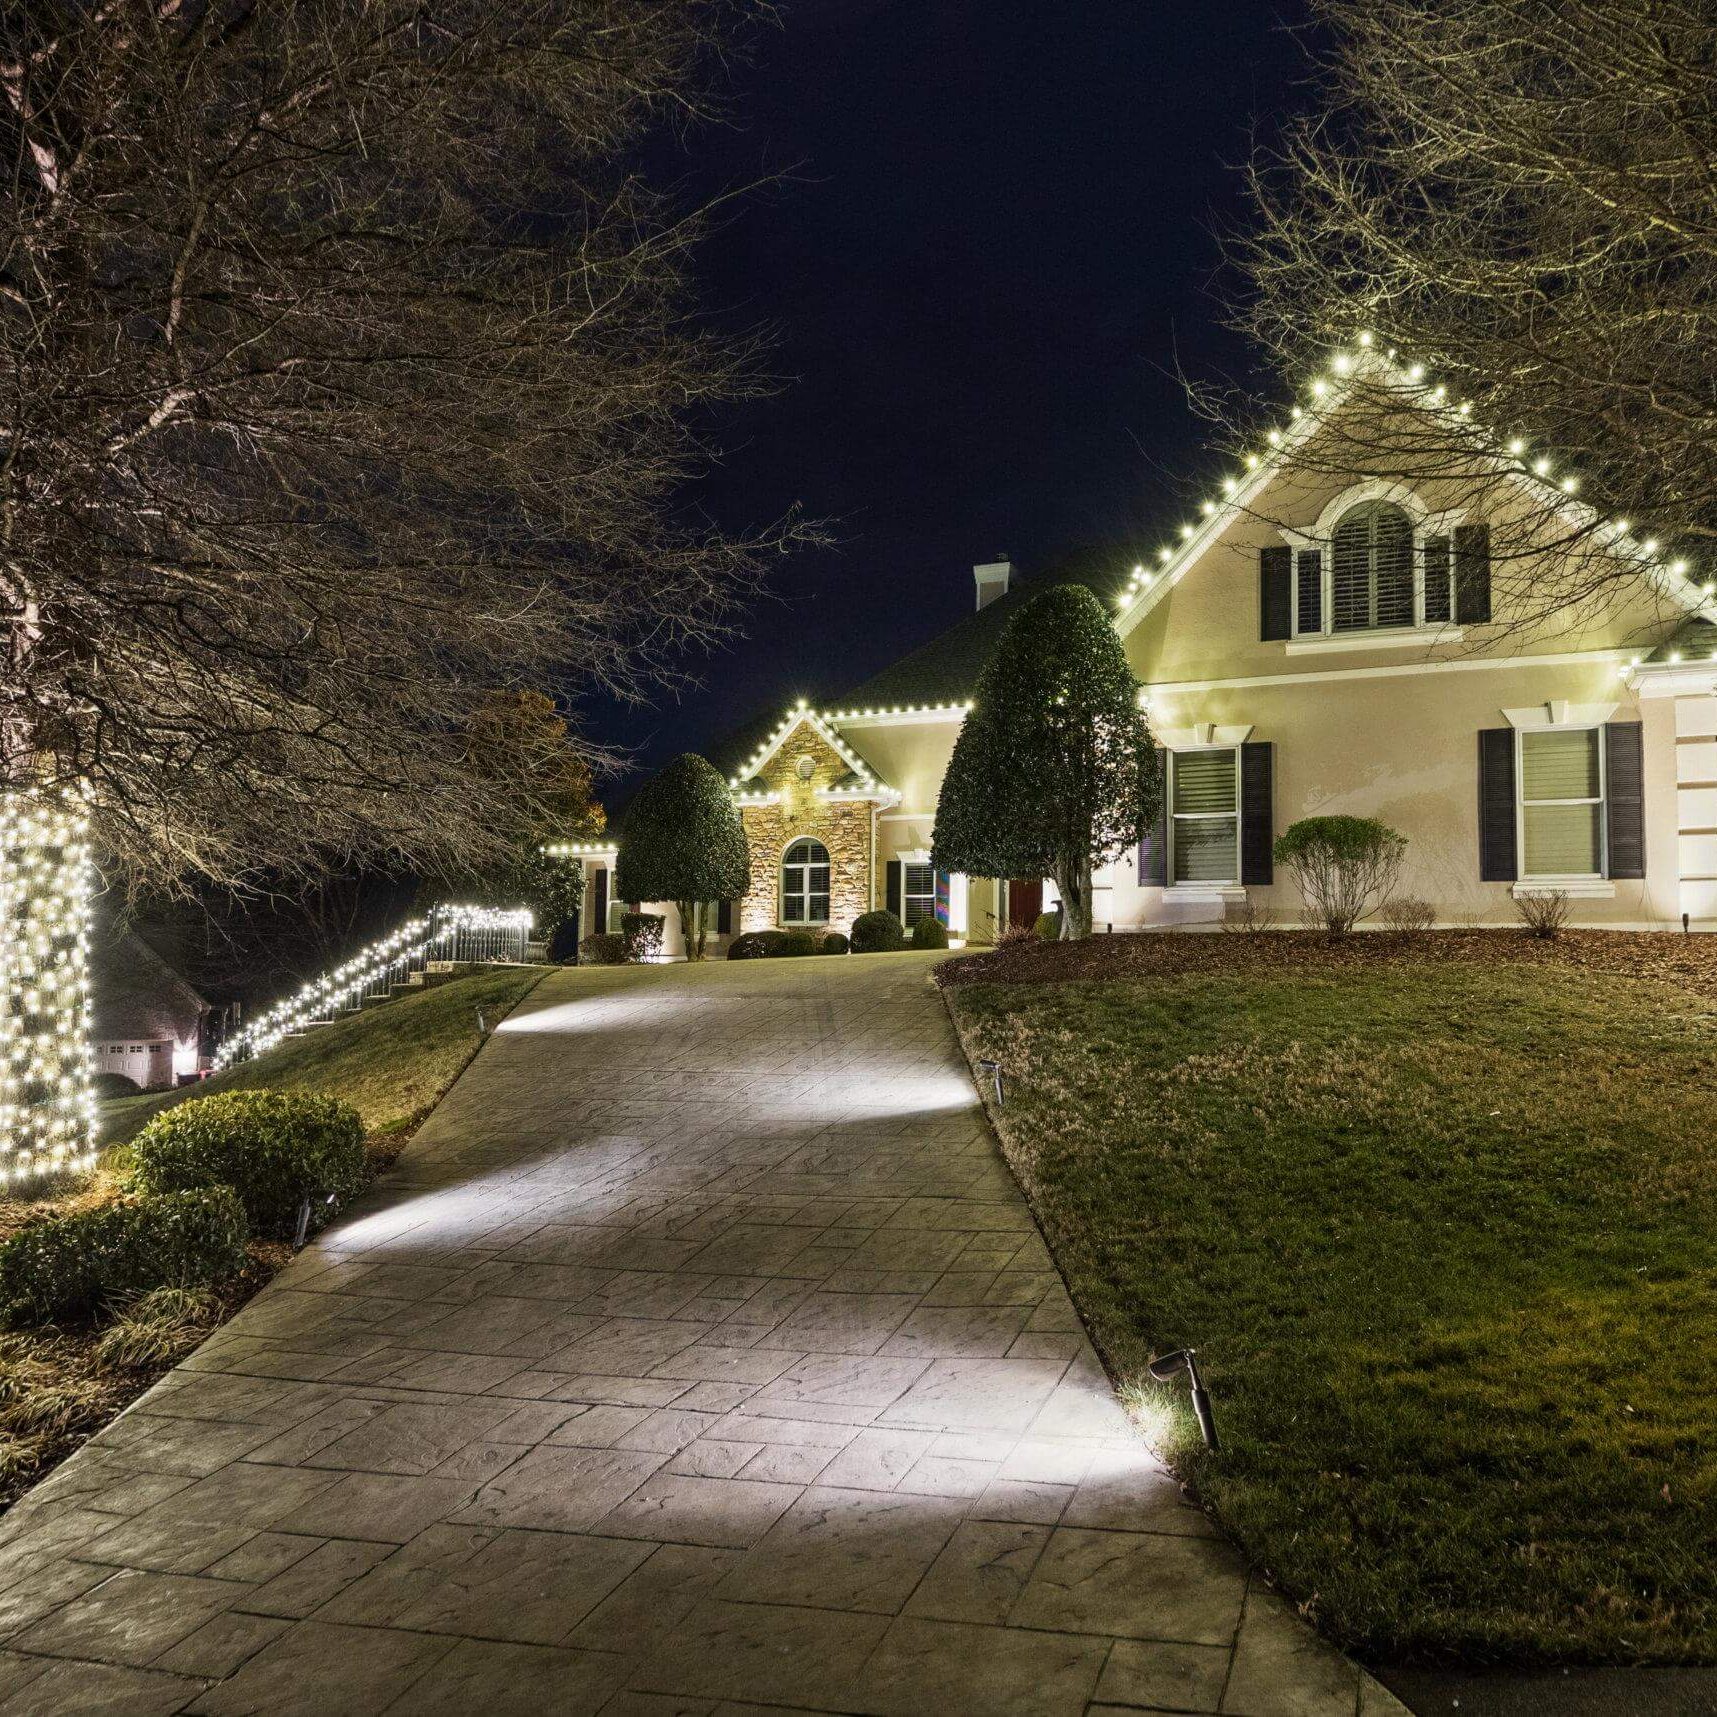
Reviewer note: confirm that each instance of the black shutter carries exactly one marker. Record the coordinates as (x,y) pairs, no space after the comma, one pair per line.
(894,886)
(1624,799)
(1472,574)
(724,918)
(1497,861)
(599,904)
(1275,593)
(1438,607)
(1154,848)
(1309,573)
(1257,815)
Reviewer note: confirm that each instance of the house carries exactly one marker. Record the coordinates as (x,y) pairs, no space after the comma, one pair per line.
(149,1026)
(1309,644)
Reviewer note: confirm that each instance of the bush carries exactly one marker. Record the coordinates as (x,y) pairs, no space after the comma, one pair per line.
(1346,866)
(756,945)
(605,948)
(273,1148)
(1012,935)
(877,933)
(1407,914)
(1048,926)
(798,942)
(641,932)
(1544,911)
(106,1085)
(835,943)
(1245,917)
(69,1266)
(159,1328)
(929,933)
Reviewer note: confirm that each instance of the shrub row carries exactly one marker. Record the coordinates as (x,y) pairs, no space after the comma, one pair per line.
(204,1177)
(873,933)
(785,944)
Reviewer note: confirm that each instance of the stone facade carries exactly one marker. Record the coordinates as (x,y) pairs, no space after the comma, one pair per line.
(844,826)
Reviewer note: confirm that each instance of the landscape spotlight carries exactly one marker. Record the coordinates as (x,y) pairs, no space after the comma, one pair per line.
(994,1069)
(1170,1366)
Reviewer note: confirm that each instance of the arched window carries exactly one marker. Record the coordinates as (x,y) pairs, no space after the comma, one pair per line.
(805,883)
(1371,577)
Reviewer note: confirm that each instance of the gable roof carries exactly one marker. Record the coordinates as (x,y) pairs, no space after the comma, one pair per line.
(946,669)
(1328,394)
(137,993)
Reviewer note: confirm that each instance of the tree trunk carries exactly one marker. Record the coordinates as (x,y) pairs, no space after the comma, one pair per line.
(1073,884)
(692,927)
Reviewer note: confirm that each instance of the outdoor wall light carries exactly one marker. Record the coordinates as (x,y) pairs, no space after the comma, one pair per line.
(303,1232)
(1167,1367)
(994,1069)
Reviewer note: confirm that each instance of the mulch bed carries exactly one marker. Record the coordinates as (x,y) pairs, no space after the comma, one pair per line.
(1666,956)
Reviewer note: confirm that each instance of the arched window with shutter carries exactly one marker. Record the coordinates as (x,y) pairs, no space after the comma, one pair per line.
(805,883)
(1371,569)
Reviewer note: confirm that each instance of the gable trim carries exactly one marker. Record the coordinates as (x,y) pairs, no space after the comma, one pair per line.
(802,712)
(1329,396)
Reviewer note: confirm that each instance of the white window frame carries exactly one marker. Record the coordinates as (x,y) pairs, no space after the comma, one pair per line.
(805,892)
(1537,880)
(1426,526)
(1172,817)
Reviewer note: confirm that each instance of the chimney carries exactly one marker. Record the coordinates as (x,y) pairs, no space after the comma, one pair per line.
(992,579)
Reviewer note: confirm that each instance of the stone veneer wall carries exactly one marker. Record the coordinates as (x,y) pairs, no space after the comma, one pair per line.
(843,826)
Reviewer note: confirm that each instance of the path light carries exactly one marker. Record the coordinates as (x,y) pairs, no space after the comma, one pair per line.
(1168,1367)
(303,1230)
(994,1069)
(482,1024)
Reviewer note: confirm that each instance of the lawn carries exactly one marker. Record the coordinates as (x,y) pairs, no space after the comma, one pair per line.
(1441,1228)
(392,1063)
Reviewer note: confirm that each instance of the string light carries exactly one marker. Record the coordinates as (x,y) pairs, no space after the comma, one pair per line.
(47,1100)
(374,967)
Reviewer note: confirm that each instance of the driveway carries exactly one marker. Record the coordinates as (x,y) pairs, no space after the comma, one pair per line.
(700,1355)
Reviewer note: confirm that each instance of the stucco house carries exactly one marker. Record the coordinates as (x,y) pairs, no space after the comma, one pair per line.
(1308,645)
(150,1025)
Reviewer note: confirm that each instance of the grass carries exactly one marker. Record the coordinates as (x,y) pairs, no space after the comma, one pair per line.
(1441,1231)
(392,1063)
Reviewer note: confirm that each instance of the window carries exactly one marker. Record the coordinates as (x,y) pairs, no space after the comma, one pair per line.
(917,893)
(1562,802)
(805,883)
(1204,839)
(1371,577)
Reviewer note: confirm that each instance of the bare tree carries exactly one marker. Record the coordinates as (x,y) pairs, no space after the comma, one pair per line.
(1521,197)
(348,381)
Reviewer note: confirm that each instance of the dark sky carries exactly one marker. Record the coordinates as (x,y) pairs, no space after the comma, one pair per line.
(996,246)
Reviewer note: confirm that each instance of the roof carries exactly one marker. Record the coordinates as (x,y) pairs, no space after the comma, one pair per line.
(137,994)
(946,669)
(1694,640)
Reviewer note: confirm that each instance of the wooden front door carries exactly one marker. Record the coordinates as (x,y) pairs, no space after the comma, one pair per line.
(1025,901)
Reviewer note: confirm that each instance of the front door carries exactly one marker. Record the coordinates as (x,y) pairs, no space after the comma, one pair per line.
(1025,901)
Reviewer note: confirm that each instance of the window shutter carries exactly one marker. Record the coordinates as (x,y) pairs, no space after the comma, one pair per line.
(1275,593)
(1472,574)
(599,903)
(1497,861)
(1624,798)
(944,896)
(1309,574)
(1257,815)
(1154,848)
(1439,608)
(724,918)
(894,900)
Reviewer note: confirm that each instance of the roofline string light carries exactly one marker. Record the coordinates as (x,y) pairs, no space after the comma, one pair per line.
(1345,365)
(47,1100)
(370,968)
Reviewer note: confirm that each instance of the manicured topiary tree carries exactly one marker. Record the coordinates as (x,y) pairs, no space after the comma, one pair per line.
(1346,866)
(1054,772)
(682,840)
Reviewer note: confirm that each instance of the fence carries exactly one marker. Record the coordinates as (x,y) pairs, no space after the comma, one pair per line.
(453,933)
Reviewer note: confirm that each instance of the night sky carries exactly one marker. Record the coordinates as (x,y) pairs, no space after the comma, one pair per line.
(997,244)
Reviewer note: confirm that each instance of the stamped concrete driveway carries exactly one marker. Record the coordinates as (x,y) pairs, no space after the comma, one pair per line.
(700,1356)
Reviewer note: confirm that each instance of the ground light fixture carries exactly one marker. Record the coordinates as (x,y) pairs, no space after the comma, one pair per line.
(1183,1361)
(303,1231)
(994,1069)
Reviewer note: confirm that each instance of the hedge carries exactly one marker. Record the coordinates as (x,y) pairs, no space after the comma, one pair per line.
(273,1148)
(878,933)
(70,1266)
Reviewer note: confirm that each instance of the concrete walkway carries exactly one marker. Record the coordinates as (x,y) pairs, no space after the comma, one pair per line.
(700,1356)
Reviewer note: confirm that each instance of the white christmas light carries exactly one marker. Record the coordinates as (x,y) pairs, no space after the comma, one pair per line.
(47,1103)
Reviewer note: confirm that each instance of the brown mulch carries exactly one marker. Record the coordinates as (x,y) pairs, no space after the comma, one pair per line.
(1666,956)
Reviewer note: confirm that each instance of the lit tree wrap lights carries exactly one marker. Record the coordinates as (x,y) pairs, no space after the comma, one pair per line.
(47,1103)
